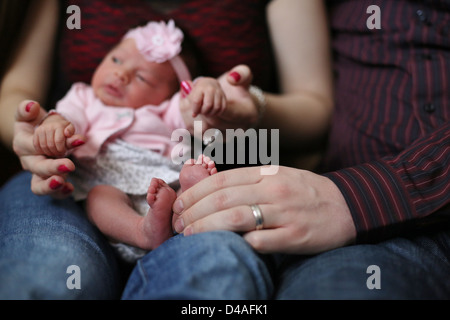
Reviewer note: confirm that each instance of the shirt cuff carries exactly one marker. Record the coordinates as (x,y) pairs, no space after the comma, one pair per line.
(377,200)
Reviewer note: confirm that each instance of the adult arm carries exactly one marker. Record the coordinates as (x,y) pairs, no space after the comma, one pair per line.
(25,82)
(28,76)
(300,37)
(302,109)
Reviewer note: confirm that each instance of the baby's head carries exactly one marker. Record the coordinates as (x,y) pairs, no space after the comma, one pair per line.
(144,68)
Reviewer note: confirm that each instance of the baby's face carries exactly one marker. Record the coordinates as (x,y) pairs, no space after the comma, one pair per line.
(126,78)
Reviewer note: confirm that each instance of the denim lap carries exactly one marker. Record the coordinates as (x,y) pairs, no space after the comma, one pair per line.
(213,265)
(40,238)
(220,265)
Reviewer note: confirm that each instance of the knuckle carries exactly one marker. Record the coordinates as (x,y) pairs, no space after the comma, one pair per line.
(236,218)
(210,90)
(219,181)
(196,100)
(187,217)
(207,108)
(280,190)
(300,233)
(51,143)
(220,200)
(59,140)
(197,227)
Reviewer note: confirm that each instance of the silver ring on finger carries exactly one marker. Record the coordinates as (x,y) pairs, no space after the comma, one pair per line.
(256,210)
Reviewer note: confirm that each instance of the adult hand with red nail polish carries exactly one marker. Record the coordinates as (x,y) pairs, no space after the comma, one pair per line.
(48,174)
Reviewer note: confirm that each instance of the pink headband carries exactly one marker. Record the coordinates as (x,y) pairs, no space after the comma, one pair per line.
(160,42)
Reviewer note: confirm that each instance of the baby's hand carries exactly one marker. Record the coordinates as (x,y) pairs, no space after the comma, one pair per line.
(50,136)
(205,96)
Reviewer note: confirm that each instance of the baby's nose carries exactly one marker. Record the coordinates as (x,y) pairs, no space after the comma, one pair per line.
(122,75)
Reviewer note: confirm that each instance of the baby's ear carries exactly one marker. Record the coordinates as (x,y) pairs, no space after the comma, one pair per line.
(240,75)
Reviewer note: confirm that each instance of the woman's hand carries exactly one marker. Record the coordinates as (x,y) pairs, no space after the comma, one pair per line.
(49,175)
(303,213)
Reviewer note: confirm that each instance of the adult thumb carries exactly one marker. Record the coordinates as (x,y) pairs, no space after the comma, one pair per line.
(30,111)
(240,75)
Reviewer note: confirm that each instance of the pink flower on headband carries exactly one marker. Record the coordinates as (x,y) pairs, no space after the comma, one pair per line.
(157,41)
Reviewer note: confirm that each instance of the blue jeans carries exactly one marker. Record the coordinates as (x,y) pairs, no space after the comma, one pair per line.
(49,250)
(220,265)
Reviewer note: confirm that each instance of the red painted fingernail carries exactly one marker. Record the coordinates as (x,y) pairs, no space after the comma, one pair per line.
(62,168)
(28,106)
(236,76)
(186,87)
(55,184)
(77,143)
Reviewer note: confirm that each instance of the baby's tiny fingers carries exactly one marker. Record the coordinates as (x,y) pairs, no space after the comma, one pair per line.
(69,130)
(60,143)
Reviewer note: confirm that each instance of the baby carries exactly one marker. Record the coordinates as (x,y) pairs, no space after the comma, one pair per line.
(127,115)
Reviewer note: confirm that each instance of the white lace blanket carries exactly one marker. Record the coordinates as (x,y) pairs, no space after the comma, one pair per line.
(124,166)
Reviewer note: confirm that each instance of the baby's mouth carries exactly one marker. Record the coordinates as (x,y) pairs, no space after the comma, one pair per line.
(113,91)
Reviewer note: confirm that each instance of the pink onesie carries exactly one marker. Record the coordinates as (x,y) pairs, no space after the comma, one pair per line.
(148,127)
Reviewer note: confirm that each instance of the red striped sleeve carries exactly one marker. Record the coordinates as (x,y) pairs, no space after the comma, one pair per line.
(383,196)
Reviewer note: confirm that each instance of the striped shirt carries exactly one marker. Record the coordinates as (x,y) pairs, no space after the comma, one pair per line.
(389,146)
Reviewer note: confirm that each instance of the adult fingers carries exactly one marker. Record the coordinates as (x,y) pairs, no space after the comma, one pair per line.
(218,181)
(45,167)
(75,141)
(285,239)
(239,218)
(230,207)
(270,240)
(23,139)
(55,186)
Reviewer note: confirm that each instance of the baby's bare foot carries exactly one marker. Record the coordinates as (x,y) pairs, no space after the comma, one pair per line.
(158,222)
(194,171)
